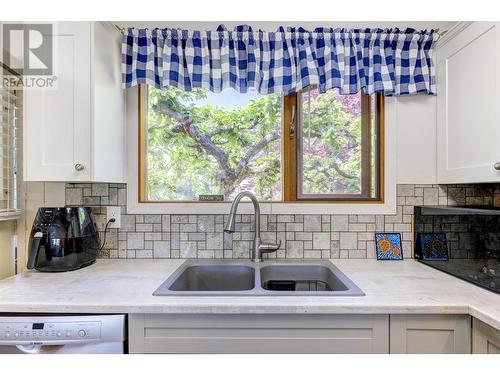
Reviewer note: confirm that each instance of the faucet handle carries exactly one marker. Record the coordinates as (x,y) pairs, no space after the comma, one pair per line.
(269,247)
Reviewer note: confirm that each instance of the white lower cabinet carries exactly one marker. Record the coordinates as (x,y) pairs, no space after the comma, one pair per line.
(485,339)
(430,334)
(303,333)
(271,333)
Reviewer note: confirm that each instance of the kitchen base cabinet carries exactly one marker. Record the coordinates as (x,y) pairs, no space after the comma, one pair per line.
(244,333)
(485,339)
(430,334)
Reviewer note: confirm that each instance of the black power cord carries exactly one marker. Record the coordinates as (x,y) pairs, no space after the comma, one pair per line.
(112,220)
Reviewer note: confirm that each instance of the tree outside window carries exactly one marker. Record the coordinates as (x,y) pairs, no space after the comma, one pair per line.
(198,143)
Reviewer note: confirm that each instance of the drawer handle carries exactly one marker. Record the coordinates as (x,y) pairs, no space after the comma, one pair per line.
(79,167)
(497,166)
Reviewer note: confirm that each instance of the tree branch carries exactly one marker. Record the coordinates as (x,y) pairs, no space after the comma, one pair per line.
(173,129)
(263,169)
(333,165)
(229,177)
(255,149)
(190,145)
(220,130)
(201,139)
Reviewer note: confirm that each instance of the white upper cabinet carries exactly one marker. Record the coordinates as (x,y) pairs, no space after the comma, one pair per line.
(75,131)
(468,110)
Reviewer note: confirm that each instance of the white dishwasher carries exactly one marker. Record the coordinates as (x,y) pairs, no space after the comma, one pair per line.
(60,334)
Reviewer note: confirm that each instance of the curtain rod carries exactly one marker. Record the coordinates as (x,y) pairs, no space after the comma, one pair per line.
(121,30)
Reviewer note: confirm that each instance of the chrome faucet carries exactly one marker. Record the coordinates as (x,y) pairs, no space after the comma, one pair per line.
(258,246)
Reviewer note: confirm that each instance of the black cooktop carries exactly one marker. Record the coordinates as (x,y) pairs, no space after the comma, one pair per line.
(484,273)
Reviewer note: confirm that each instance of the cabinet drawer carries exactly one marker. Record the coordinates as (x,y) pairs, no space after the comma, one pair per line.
(217,333)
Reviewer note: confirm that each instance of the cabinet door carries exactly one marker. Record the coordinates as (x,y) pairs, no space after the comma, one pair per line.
(430,334)
(58,120)
(249,334)
(468,91)
(485,339)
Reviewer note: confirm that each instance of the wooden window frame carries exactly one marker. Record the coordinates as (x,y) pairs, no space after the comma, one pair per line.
(292,160)
(290,127)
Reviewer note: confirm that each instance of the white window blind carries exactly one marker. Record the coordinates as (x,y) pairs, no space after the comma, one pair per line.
(10,125)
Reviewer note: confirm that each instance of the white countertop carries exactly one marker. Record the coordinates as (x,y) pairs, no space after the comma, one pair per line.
(126,286)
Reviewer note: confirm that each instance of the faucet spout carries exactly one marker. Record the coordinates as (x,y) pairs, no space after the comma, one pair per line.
(258,246)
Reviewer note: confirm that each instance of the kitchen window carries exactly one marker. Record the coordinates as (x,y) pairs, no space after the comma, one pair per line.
(304,147)
(333,150)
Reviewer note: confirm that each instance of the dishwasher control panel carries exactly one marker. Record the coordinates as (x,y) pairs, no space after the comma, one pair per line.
(48,331)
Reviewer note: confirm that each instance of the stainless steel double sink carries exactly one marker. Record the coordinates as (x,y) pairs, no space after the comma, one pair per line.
(268,278)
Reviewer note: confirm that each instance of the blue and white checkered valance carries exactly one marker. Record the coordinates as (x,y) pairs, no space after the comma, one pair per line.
(389,61)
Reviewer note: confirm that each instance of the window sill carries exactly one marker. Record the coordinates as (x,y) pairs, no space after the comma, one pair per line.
(10,215)
(222,208)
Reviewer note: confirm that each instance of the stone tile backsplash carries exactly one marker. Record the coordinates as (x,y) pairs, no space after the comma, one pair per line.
(302,236)
(467,236)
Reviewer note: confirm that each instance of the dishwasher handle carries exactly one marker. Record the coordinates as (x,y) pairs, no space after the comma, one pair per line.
(30,348)
(54,349)
(76,348)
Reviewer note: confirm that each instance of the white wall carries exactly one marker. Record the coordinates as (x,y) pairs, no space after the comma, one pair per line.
(416,139)
(7,231)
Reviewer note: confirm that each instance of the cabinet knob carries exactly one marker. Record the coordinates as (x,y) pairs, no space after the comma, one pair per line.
(79,167)
(497,166)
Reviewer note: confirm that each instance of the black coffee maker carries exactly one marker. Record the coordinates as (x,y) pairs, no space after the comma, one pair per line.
(63,239)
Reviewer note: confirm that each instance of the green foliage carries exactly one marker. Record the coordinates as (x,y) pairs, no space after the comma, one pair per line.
(182,166)
(331,136)
(179,169)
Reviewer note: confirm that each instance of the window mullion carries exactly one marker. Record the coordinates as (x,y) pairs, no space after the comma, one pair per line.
(366,146)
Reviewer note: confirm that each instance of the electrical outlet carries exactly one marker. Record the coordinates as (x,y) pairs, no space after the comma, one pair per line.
(113,212)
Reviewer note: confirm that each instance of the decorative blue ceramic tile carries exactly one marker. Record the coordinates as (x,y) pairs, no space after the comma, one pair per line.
(388,246)
(432,246)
